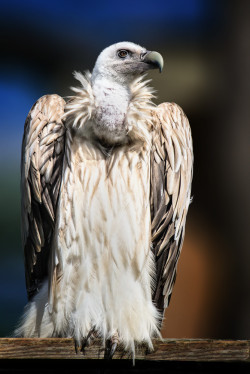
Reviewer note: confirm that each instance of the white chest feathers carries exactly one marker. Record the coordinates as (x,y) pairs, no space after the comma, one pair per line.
(103,241)
(103,265)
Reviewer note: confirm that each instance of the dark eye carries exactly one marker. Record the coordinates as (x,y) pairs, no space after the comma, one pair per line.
(122,53)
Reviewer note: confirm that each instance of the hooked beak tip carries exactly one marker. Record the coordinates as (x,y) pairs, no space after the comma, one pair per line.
(155,59)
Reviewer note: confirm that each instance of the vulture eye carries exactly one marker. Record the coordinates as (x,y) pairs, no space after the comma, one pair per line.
(122,53)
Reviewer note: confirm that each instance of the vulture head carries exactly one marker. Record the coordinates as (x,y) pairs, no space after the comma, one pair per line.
(114,81)
(124,61)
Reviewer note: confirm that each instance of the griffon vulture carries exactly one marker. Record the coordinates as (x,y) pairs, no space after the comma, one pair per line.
(106,181)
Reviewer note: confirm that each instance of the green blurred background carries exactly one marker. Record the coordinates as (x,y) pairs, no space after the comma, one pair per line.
(206,47)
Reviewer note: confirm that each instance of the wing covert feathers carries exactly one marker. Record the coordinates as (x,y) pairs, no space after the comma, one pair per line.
(41,167)
(171,176)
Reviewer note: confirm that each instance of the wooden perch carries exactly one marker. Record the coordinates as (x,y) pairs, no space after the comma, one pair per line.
(198,350)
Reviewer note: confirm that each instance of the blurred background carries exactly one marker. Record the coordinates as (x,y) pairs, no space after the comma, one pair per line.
(206,47)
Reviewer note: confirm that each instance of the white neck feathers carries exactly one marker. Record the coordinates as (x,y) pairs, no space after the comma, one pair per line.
(131,106)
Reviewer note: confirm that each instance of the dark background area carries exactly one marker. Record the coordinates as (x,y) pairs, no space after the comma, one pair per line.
(206,48)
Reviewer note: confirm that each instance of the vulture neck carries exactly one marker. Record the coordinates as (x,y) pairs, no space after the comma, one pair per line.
(109,93)
(112,99)
(114,113)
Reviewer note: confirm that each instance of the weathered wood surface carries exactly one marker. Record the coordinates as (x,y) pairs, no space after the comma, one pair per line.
(198,350)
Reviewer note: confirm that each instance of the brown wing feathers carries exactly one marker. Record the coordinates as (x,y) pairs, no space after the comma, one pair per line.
(41,167)
(171,175)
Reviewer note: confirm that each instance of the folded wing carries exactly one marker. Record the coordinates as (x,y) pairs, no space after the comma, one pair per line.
(171,176)
(41,169)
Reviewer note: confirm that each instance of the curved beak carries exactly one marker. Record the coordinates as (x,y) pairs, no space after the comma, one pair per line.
(155,59)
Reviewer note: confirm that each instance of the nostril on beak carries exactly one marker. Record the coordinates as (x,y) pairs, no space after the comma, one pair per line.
(142,55)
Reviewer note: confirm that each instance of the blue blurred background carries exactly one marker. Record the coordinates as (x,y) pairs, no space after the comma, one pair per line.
(205,44)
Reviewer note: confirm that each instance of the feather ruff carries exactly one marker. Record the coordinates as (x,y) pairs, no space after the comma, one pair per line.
(80,108)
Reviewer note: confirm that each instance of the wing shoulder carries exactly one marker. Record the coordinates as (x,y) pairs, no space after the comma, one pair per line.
(171,176)
(41,167)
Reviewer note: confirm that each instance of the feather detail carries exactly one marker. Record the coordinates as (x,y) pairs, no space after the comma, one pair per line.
(41,166)
(139,119)
(171,176)
(79,108)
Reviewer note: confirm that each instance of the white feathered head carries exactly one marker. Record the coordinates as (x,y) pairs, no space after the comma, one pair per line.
(124,61)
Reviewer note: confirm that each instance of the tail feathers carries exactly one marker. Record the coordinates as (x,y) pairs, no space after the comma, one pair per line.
(36,321)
